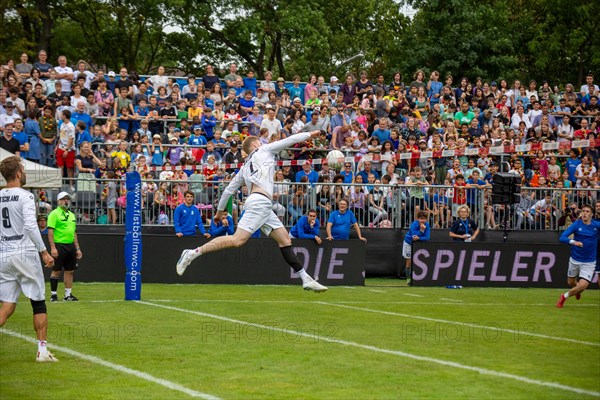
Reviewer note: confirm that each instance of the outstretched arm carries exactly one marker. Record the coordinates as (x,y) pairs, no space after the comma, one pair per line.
(289,141)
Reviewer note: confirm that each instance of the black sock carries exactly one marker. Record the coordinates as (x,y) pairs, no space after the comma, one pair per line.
(291,258)
(53,284)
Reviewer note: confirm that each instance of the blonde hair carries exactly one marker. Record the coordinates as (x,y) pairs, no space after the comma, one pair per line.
(247,144)
(464,207)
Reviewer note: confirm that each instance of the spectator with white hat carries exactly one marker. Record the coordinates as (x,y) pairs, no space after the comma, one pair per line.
(333,84)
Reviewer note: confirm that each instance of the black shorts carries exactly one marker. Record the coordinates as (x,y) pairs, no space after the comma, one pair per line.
(66,259)
(417,202)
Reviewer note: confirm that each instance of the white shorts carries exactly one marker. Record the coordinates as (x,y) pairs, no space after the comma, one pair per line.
(406,250)
(21,272)
(258,214)
(583,270)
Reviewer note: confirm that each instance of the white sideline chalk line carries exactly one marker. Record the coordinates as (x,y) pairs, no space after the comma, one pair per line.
(453,300)
(445,321)
(424,303)
(377,291)
(483,371)
(120,368)
(413,295)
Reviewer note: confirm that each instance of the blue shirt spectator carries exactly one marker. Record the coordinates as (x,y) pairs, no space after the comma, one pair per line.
(415,230)
(347,174)
(311,174)
(197,139)
(381,134)
(307,227)
(434,88)
(82,116)
(187,218)
(250,84)
(341,221)
(208,124)
(472,193)
(23,139)
(33,132)
(208,102)
(366,171)
(571,165)
(219,229)
(84,137)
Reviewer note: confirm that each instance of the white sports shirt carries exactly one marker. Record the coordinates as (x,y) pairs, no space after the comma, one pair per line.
(259,168)
(19,231)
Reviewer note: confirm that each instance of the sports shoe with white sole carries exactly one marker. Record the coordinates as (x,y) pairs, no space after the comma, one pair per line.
(184,261)
(45,356)
(314,286)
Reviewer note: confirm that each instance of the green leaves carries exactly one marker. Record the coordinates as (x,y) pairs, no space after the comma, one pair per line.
(541,39)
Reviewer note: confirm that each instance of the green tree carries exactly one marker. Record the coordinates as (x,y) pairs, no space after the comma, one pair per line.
(565,44)
(112,32)
(463,37)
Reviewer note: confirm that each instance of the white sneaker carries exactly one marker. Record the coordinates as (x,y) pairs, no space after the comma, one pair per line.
(184,261)
(314,286)
(45,356)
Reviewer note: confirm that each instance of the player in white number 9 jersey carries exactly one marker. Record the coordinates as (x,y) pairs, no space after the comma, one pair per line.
(20,243)
(257,173)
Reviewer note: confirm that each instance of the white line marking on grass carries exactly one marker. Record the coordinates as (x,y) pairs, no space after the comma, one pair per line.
(487,327)
(423,303)
(483,371)
(412,295)
(117,367)
(377,291)
(453,300)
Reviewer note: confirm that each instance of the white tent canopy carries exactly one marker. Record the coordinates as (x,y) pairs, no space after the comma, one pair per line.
(38,176)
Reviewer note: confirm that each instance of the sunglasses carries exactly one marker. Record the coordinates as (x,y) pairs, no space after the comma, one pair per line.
(347,166)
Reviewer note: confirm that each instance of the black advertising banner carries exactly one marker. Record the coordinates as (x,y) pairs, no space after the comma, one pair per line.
(259,261)
(480,264)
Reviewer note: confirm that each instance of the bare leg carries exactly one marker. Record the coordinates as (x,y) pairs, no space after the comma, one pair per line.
(40,324)
(281,236)
(239,238)
(68,279)
(70,174)
(6,311)
(579,287)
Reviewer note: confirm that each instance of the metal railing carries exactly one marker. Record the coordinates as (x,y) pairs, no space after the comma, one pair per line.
(375,205)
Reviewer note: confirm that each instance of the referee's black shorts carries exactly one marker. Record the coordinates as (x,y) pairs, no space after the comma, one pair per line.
(67,257)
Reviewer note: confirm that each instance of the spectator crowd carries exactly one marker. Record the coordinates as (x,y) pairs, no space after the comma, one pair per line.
(97,125)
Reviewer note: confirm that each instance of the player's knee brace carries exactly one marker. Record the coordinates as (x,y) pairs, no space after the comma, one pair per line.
(291,258)
(39,306)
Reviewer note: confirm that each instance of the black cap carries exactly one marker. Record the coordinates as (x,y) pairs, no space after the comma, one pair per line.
(233,143)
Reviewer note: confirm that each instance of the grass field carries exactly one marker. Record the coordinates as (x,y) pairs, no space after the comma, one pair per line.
(381,341)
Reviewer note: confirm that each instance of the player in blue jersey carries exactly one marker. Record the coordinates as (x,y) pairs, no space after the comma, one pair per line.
(582,263)
(418,230)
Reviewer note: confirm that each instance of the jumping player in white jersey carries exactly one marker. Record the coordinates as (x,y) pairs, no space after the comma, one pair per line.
(20,243)
(257,173)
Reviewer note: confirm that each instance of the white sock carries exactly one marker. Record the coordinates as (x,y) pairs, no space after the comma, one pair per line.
(566,295)
(67,292)
(304,276)
(42,346)
(196,253)
(53,293)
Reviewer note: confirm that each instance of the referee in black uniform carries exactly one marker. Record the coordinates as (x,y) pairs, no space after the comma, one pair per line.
(64,246)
